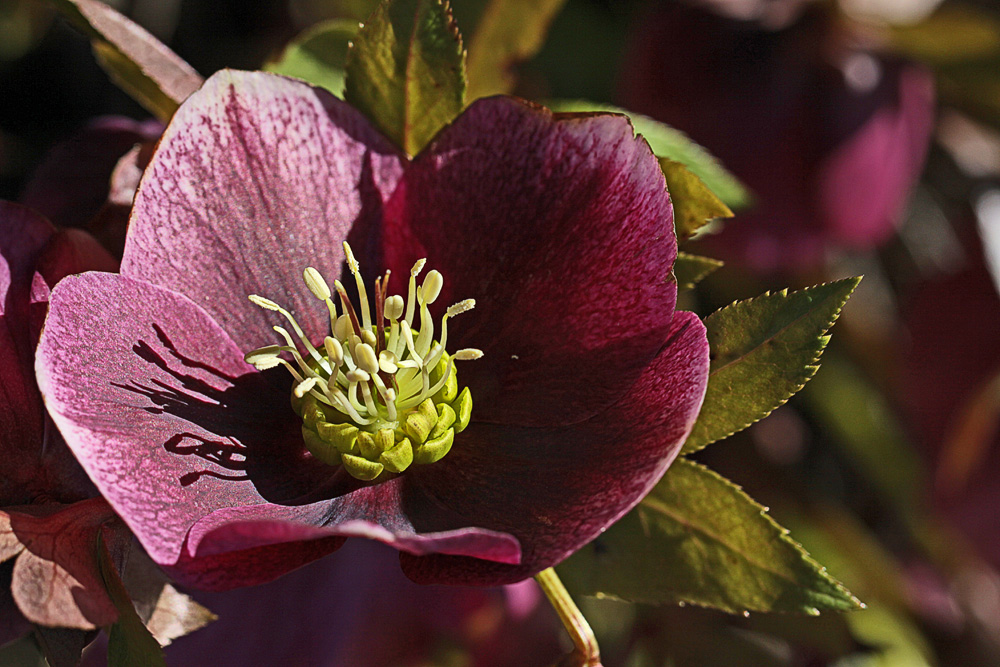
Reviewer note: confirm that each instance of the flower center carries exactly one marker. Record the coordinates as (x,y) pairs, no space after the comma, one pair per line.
(380,395)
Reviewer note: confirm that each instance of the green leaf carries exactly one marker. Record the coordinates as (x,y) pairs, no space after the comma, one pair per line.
(763,351)
(406,71)
(137,62)
(509,32)
(23,652)
(675,145)
(129,642)
(698,539)
(319,55)
(694,204)
(690,269)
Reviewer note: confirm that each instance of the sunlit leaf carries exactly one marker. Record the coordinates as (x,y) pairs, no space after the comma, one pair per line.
(690,269)
(319,55)
(763,351)
(140,64)
(406,71)
(129,642)
(509,33)
(698,539)
(675,145)
(694,204)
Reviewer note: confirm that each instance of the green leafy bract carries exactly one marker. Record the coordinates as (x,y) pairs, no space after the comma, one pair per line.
(675,145)
(140,64)
(509,32)
(694,204)
(690,269)
(698,539)
(319,55)
(763,351)
(129,642)
(406,71)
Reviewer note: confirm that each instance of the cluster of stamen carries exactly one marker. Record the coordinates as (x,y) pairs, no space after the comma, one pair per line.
(381,394)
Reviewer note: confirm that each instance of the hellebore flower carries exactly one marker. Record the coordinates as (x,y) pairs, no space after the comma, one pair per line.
(559,230)
(49,515)
(828,135)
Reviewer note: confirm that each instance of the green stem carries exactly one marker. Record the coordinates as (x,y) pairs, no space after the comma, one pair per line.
(585,652)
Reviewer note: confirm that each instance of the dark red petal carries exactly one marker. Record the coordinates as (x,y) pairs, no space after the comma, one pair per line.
(561,229)
(557,489)
(256,178)
(23,236)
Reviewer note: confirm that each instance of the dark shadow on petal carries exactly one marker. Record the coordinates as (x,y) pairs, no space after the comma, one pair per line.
(256,433)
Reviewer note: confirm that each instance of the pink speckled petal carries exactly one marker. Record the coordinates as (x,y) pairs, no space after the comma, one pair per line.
(557,489)
(256,178)
(200,453)
(561,229)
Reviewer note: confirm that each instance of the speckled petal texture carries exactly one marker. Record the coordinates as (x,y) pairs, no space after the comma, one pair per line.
(176,429)
(562,232)
(256,178)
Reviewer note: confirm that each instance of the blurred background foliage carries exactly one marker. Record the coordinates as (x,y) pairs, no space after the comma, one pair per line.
(869,134)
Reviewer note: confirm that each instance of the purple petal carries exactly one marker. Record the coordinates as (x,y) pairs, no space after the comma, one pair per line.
(561,229)
(256,178)
(557,489)
(23,236)
(199,454)
(145,388)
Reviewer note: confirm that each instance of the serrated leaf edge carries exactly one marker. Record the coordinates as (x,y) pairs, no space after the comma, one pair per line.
(850,601)
(810,369)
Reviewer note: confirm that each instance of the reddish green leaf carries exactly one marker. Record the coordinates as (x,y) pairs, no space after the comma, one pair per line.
(406,71)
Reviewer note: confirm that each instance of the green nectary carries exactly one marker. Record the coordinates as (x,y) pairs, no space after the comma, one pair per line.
(379,395)
(422,435)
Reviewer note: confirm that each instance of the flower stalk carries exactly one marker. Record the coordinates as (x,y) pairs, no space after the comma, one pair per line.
(585,650)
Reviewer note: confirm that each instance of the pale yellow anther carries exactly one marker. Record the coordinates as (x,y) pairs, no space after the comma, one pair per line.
(357,375)
(368,336)
(431,288)
(316,284)
(366,359)
(387,362)
(460,307)
(467,354)
(264,303)
(394,307)
(343,328)
(334,351)
(352,263)
(418,267)
(302,388)
(266,353)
